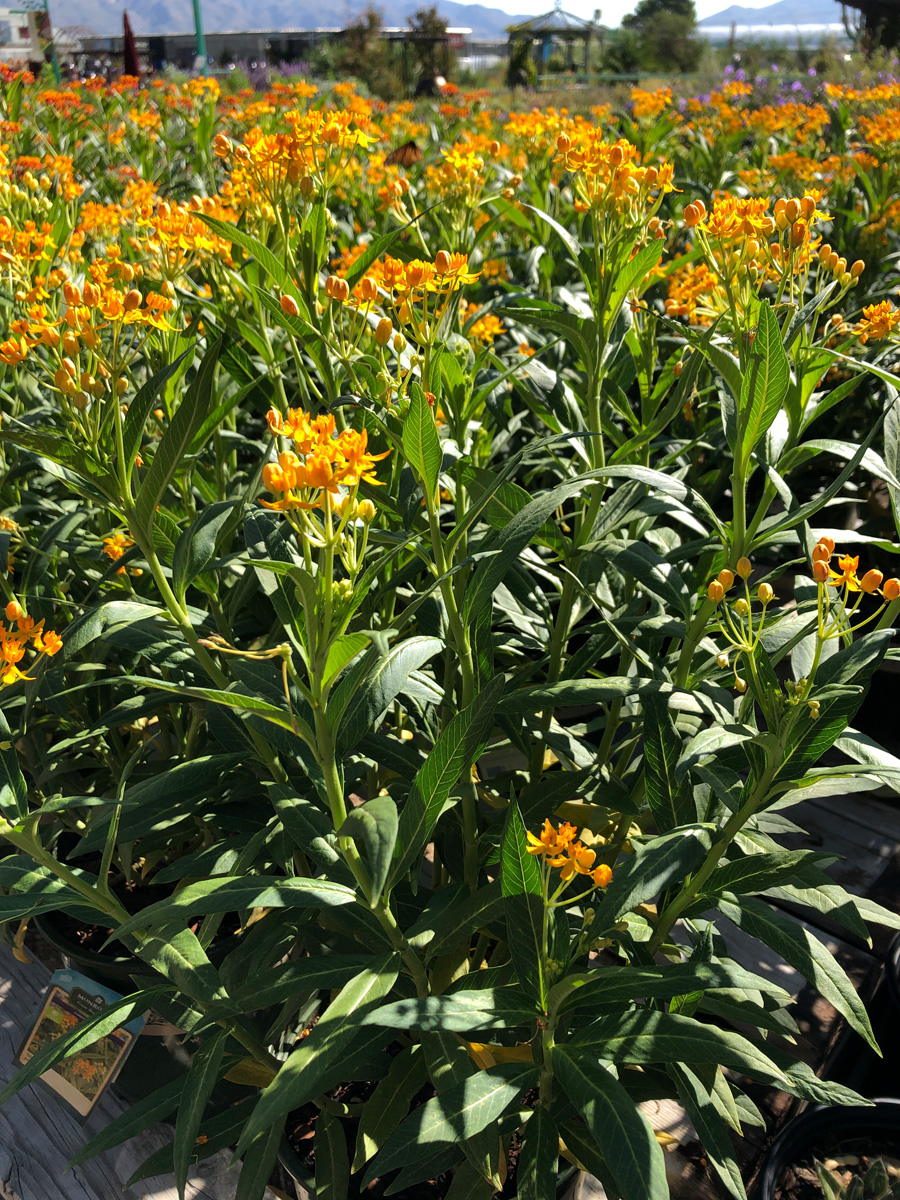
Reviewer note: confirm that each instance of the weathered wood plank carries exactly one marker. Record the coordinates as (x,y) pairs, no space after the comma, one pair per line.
(39,1132)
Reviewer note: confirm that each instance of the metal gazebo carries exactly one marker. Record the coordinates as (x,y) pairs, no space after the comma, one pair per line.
(559,27)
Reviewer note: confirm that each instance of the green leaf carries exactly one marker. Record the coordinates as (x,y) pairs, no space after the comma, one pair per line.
(220,1132)
(509,544)
(373,695)
(456,1114)
(143,403)
(177,954)
(332,1160)
(421,443)
(13,789)
(457,748)
(621,985)
(643,1036)
(519,870)
(374,825)
(710,1128)
(664,861)
(336,1040)
(196,547)
(234,893)
(299,978)
(259,1161)
(805,954)
(539,1157)
(239,237)
(619,1130)
(206,1067)
(632,274)
(460,1012)
(388,1104)
(343,651)
(764,384)
(758,872)
(671,801)
(176,440)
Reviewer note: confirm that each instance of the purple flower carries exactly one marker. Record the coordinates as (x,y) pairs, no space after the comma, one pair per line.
(774,67)
(811,71)
(797,86)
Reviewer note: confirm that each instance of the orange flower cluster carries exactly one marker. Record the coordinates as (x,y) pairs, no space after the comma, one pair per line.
(14,642)
(878,321)
(321,461)
(483,330)
(559,848)
(846,576)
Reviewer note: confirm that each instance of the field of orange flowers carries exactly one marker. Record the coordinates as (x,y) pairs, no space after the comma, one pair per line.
(433,538)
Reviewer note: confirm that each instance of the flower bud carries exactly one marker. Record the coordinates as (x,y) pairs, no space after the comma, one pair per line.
(726,578)
(741,607)
(715,592)
(616,156)
(601,875)
(442,262)
(691,216)
(368,289)
(366,511)
(383,331)
(744,568)
(891,589)
(857,269)
(792,210)
(494,149)
(14,611)
(564,143)
(80,400)
(821,553)
(740,685)
(132,300)
(221,145)
(399,342)
(871,581)
(722,661)
(821,572)
(289,306)
(765,594)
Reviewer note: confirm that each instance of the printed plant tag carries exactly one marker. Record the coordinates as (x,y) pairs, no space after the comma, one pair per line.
(81,1078)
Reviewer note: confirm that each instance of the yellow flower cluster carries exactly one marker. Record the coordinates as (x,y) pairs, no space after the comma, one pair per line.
(608,176)
(559,848)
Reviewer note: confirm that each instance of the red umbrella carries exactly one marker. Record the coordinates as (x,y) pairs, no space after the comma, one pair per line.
(132,65)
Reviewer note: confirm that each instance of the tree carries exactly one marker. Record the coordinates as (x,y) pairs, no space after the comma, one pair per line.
(429,39)
(366,55)
(666,32)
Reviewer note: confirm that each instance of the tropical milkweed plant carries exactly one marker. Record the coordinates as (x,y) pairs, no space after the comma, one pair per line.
(425,608)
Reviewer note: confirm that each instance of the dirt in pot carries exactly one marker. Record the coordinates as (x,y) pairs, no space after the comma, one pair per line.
(847,1161)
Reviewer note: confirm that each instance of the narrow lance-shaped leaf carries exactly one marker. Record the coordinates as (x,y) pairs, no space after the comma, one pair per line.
(421,443)
(202,1078)
(457,748)
(619,1130)
(764,384)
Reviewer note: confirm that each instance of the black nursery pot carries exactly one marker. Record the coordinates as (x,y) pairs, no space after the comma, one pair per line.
(113,967)
(877,1128)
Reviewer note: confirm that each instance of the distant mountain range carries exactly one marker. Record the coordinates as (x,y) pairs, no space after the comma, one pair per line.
(785,12)
(174,16)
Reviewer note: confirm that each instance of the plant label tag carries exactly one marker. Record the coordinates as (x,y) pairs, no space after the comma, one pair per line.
(81,1078)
